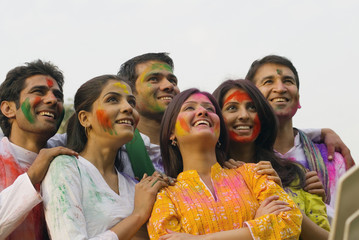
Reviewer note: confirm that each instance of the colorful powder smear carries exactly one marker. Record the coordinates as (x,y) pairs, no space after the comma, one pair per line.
(49,82)
(26,109)
(279,72)
(240,96)
(121,85)
(105,121)
(182,127)
(154,68)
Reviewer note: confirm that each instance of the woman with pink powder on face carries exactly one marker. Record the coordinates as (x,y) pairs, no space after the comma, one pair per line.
(208,201)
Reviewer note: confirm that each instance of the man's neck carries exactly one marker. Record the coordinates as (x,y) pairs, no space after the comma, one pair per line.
(151,128)
(285,136)
(31,142)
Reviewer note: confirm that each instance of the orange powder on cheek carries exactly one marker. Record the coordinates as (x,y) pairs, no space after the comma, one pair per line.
(37,100)
(103,118)
(182,127)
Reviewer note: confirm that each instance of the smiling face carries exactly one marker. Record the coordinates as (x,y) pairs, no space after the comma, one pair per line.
(41,106)
(156,86)
(240,116)
(197,118)
(277,84)
(113,113)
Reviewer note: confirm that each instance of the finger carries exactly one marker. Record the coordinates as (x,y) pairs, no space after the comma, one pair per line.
(267,172)
(144,176)
(269,199)
(310,174)
(277,180)
(284,209)
(159,184)
(267,163)
(229,165)
(313,181)
(349,161)
(235,163)
(314,186)
(331,149)
(276,204)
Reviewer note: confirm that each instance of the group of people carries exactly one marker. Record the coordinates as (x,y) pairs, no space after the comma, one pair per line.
(141,160)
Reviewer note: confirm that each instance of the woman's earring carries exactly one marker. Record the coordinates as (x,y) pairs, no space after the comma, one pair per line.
(219,144)
(173,142)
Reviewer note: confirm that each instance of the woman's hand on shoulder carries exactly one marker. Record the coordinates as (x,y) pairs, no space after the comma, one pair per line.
(271,205)
(233,164)
(145,193)
(313,184)
(265,167)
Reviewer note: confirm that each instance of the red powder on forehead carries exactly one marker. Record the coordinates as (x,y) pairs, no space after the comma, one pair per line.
(239,96)
(50,83)
(103,118)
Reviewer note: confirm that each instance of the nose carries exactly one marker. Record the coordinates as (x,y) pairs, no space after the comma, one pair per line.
(50,98)
(126,107)
(166,85)
(279,87)
(243,114)
(202,111)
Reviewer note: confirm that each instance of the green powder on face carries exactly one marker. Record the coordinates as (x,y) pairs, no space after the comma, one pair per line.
(162,66)
(26,109)
(279,72)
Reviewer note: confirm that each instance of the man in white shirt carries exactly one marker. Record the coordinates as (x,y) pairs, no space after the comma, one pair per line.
(31,111)
(154,86)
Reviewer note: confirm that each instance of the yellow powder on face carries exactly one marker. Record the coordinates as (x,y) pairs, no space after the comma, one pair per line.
(121,85)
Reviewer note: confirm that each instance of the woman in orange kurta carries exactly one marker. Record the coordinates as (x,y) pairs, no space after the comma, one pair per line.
(208,199)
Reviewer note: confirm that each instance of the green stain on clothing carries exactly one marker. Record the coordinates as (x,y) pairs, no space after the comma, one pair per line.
(26,109)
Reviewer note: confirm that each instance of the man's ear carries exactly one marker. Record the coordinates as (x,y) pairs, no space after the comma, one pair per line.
(8,108)
(84,118)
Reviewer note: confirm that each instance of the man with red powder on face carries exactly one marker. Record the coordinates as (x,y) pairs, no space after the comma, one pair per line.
(154,86)
(278,80)
(31,112)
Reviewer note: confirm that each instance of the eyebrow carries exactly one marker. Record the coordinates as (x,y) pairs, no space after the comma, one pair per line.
(118,94)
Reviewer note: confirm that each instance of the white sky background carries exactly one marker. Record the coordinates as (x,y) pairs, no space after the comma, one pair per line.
(209,41)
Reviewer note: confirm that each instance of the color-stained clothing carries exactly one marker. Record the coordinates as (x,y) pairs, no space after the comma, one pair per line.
(21,215)
(335,168)
(78,202)
(190,207)
(153,150)
(310,204)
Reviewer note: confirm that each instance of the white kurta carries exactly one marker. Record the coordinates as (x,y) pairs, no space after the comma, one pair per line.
(20,197)
(78,202)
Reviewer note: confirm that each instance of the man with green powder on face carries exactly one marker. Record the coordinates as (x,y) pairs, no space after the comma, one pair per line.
(154,86)
(31,112)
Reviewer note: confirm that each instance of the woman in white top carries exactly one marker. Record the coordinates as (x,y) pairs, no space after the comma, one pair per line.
(88,198)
